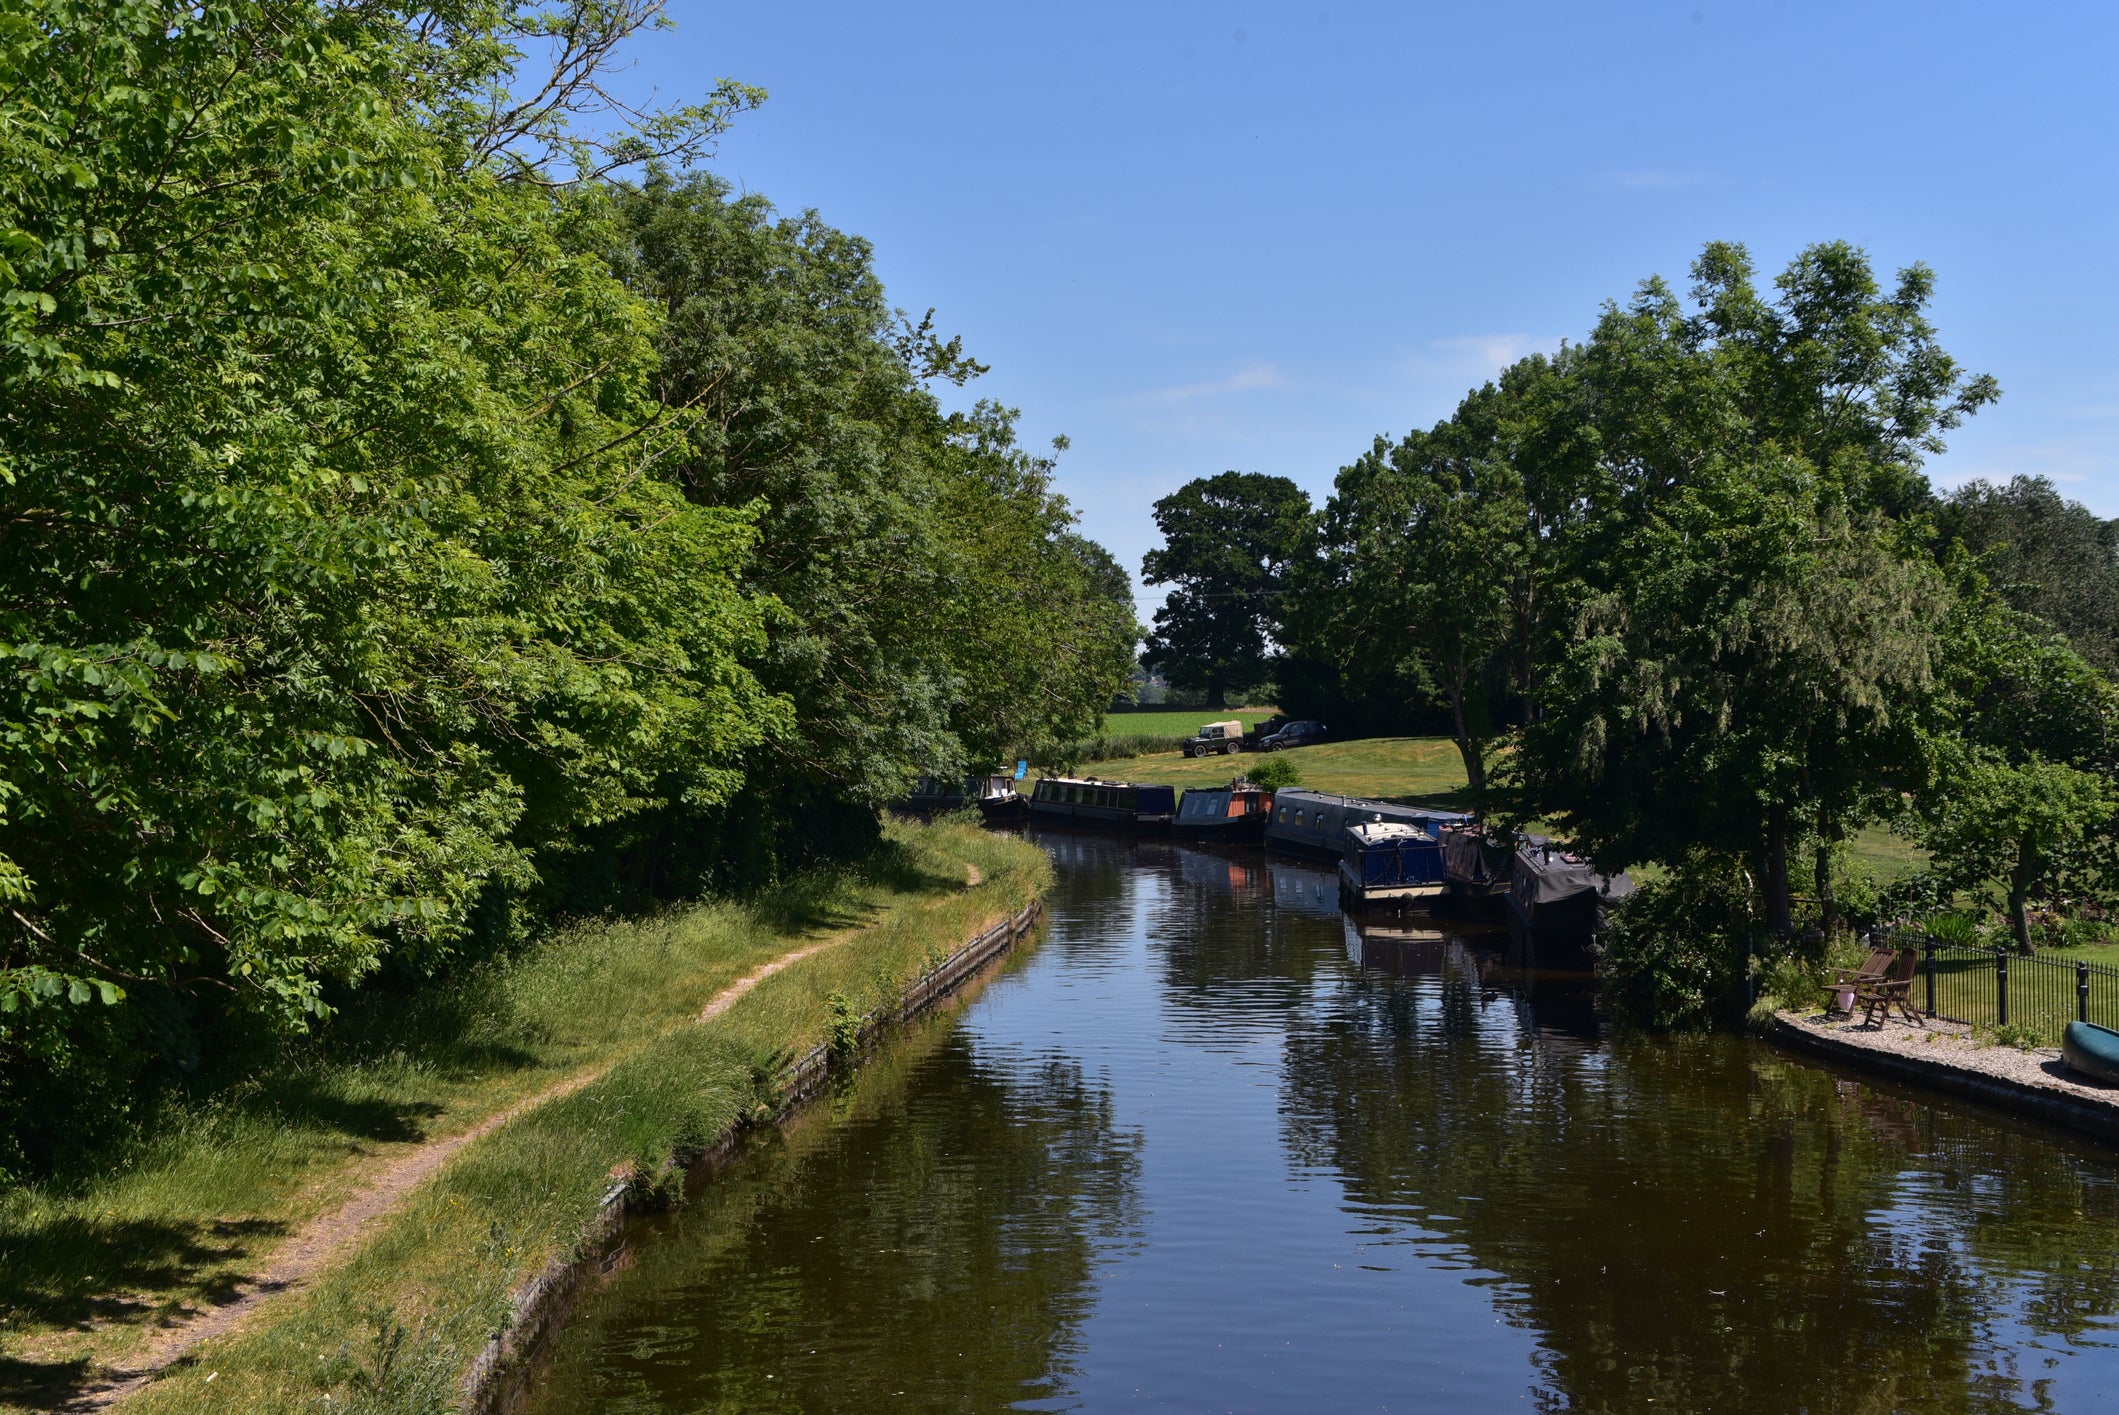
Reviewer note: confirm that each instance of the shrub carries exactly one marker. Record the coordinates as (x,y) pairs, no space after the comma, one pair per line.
(1274,772)
(1673,956)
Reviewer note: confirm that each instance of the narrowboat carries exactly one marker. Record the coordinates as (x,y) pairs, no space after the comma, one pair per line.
(1316,821)
(1389,864)
(1112,805)
(999,801)
(1236,812)
(1557,901)
(935,795)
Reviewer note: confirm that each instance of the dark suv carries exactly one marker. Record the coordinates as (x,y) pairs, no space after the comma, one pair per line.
(1292,734)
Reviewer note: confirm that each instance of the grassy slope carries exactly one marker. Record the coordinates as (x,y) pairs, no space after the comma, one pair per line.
(210,1197)
(1426,771)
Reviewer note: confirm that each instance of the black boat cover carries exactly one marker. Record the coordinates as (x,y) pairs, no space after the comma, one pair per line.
(1547,873)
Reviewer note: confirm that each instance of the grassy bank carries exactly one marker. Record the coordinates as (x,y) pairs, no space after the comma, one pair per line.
(89,1269)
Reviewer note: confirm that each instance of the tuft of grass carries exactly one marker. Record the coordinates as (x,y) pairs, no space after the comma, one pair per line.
(89,1269)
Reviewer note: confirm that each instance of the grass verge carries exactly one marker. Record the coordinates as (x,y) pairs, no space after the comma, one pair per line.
(89,1270)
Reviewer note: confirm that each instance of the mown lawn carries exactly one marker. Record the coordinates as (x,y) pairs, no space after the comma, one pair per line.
(87,1269)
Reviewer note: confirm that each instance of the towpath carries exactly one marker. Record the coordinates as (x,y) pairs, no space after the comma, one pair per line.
(319,1243)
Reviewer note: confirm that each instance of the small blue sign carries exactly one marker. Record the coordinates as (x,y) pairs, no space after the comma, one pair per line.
(1022,769)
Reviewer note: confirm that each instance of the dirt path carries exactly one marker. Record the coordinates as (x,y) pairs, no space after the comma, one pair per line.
(314,1247)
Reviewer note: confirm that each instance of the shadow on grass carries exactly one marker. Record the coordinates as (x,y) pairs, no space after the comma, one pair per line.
(309,1101)
(820,903)
(72,1272)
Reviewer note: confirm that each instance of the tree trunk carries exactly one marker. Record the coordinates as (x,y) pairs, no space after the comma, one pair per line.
(1468,746)
(1217,696)
(2019,895)
(1828,907)
(1778,912)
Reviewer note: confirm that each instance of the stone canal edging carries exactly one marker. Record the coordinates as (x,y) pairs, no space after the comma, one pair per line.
(2034,1084)
(498,1378)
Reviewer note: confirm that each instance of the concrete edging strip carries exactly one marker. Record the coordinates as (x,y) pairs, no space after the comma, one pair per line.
(2084,1114)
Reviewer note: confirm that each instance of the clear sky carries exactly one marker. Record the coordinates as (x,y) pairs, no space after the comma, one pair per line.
(1196,237)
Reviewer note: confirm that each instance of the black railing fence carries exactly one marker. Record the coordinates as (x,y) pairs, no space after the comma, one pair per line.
(1999,988)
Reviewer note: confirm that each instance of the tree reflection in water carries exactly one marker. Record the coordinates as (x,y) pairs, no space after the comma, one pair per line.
(929,1246)
(1699,1222)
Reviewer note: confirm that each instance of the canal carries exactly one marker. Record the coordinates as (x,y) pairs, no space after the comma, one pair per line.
(1208,1147)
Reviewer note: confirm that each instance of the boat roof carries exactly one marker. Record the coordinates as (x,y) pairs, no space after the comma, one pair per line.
(1382,832)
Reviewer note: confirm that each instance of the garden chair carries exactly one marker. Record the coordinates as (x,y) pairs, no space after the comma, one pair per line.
(1894,989)
(1873,969)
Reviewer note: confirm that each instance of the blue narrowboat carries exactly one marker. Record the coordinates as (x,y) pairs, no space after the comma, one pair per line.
(1390,864)
(1111,805)
(1316,821)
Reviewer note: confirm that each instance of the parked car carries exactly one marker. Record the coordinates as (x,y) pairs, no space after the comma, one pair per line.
(1216,738)
(1299,733)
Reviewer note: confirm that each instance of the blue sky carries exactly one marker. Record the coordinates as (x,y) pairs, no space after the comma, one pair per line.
(1197,237)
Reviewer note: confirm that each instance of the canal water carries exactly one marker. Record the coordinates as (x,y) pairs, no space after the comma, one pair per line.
(1210,1147)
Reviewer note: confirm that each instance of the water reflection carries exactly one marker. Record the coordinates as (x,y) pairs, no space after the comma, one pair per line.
(1215,1146)
(928,1245)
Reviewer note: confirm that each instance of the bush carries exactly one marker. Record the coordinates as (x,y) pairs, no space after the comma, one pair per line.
(1674,956)
(1274,772)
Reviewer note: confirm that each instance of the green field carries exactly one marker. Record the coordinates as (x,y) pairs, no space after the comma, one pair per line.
(1423,769)
(1179,723)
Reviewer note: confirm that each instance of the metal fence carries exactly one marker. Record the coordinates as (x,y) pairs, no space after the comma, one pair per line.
(1998,988)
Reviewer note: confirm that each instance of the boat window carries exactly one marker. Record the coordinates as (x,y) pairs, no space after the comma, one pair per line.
(1283,813)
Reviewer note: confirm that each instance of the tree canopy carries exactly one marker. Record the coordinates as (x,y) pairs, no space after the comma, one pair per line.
(1227,542)
(396,514)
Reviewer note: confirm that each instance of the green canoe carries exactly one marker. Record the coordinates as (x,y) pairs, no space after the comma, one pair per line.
(2092,1050)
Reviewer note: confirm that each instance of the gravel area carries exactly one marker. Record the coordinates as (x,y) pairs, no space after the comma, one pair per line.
(1951,1045)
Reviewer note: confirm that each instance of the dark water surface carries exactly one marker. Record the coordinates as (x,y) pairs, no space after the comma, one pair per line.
(1208,1147)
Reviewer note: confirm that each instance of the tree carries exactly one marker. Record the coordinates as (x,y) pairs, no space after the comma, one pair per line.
(2022,792)
(1743,622)
(1227,541)
(339,582)
(933,605)
(2045,555)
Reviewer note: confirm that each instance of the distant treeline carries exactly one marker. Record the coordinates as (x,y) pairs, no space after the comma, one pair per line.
(1684,591)
(410,529)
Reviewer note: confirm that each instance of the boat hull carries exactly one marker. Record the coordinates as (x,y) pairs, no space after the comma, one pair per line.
(2092,1050)
(1241,830)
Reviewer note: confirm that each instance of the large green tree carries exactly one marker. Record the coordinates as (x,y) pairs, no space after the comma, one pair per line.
(1228,540)
(1742,615)
(338,576)
(932,604)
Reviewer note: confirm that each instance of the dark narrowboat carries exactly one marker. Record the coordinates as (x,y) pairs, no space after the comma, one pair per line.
(1236,812)
(936,795)
(1111,805)
(998,800)
(1391,865)
(1316,821)
(1557,902)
